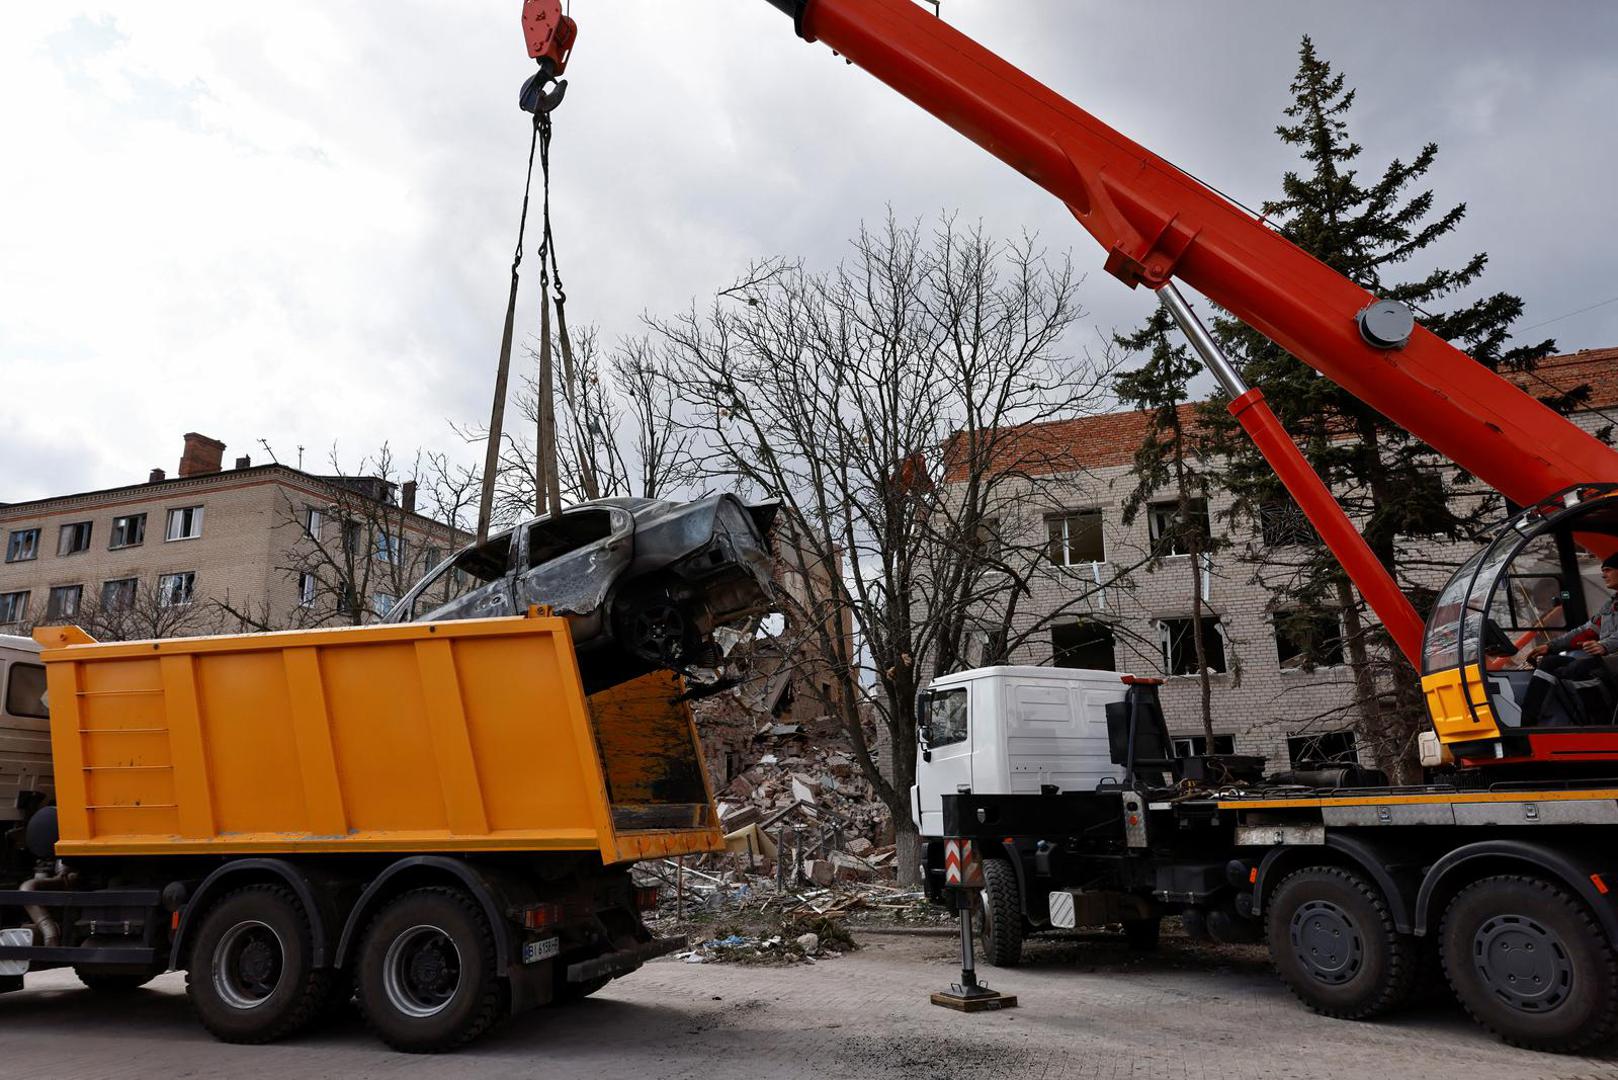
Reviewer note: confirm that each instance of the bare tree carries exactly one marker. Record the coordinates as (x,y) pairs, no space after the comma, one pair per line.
(893,406)
(368,536)
(617,434)
(141,610)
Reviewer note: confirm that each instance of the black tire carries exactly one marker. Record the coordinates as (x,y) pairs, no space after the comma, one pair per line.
(1142,934)
(251,976)
(426,972)
(999,914)
(115,982)
(1333,942)
(1529,962)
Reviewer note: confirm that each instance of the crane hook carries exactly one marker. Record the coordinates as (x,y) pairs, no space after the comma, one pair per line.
(550,34)
(543,91)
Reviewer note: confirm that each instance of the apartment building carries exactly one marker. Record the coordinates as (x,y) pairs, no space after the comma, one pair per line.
(1273,694)
(214,550)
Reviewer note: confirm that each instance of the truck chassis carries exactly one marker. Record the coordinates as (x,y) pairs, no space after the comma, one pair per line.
(1509,888)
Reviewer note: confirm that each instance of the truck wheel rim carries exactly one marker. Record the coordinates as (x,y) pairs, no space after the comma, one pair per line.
(421,971)
(248,965)
(1326,942)
(1523,963)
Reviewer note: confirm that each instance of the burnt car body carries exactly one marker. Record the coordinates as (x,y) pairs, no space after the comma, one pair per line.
(642,582)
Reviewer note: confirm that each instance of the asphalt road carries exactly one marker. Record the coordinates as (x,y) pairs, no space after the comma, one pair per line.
(1088,1009)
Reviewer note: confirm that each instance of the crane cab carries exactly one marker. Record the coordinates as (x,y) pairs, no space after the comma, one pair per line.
(1538,580)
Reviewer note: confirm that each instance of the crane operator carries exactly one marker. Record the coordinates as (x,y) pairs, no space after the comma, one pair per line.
(1588,651)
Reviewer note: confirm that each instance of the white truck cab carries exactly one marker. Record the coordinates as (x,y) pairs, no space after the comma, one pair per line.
(1011,731)
(25,726)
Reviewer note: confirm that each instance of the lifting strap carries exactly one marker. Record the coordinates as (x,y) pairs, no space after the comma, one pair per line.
(497,414)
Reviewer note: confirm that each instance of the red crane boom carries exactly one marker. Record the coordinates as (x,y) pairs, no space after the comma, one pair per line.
(1157,223)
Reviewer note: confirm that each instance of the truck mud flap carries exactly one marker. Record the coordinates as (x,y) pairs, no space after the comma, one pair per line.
(624,960)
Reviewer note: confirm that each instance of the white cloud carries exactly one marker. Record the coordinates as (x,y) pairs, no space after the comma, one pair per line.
(297,224)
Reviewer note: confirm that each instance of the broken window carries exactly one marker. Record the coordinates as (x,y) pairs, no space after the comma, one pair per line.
(486,562)
(119,595)
(13,607)
(1197,745)
(944,722)
(176,590)
(1075,538)
(74,538)
(1091,646)
(1304,642)
(185,523)
(1325,747)
(986,540)
(64,602)
(1179,643)
(558,535)
(1281,523)
(128,531)
(1172,533)
(22,545)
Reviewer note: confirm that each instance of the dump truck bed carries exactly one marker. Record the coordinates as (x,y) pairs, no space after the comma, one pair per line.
(437,737)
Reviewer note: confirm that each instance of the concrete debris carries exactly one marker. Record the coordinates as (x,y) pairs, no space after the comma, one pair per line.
(809,943)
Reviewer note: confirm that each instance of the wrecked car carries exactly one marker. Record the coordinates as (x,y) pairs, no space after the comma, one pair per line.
(643,583)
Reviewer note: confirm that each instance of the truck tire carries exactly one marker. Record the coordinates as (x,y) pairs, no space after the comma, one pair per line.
(1333,942)
(251,976)
(426,977)
(999,911)
(115,982)
(1529,962)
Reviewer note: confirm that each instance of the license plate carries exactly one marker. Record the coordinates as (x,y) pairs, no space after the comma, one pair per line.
(535,951)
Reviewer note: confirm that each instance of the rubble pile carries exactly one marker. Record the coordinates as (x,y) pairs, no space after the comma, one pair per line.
(734,893)
(814,805)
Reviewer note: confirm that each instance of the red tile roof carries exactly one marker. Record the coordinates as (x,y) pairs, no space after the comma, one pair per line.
(1110,439)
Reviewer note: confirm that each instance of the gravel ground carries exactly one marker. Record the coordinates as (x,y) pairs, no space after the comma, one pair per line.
(1088,1009)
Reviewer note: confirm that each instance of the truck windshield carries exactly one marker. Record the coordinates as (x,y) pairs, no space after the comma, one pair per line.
(946,718)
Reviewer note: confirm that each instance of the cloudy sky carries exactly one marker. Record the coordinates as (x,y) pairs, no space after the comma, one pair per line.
(293,222)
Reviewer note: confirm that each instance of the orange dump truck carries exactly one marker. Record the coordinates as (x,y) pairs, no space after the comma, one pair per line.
(433,817)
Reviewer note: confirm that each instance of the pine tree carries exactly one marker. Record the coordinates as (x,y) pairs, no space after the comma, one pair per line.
(1171,460)
(1404,497)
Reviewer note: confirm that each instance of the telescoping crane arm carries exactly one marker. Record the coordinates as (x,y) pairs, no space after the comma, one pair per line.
(1157,223)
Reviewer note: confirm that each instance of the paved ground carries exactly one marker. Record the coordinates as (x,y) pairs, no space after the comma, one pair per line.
(1087,1011)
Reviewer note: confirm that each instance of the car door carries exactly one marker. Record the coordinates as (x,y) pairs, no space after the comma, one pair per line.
(571,560)
(945,761)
